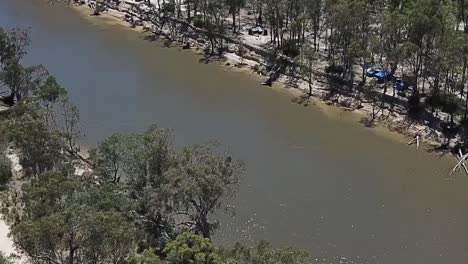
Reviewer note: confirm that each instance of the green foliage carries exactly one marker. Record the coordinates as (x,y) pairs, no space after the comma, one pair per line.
(50,91)
(189,248)
(415,108)
(109,158)
(198,22)
(191,183)
(168,7)
(203,179)
(139,162)
(66,214)
(334,69)
(20,80)
(290,48)
(4,260)
(40,147)
(263,253)
(5,172)
(147,257)
(13,44)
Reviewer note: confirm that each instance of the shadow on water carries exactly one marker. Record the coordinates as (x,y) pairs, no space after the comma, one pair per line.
(367,122)
(303,100)
(208,57)
(152,37)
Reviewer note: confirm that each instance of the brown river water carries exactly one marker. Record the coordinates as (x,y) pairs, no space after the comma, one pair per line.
(315,178)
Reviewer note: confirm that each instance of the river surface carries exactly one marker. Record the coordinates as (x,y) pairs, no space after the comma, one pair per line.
(313,179)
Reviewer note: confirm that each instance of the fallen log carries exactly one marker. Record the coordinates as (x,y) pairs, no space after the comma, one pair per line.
(460,156)
(461,161)
(417,139)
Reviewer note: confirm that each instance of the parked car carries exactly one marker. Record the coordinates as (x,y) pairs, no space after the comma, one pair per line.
(383,75)
(370,72)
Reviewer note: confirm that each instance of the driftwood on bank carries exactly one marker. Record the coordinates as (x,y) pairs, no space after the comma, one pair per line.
(461,162)
(273,77)
(416,139)
(460,158)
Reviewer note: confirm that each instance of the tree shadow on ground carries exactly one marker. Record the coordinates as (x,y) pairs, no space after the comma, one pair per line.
(292,81)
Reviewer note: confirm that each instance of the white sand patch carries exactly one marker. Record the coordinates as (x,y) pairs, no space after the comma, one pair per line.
(6,244)
(15,163)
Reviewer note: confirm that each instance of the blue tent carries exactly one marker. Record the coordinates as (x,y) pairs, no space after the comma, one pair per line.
(401,85)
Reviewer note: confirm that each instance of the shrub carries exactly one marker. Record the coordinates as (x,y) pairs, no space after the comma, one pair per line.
(198,22)
(147,257)
(191,248)
(168,7)
(5,172)
(290,48)
(4,260)
(334,69)
(415,108)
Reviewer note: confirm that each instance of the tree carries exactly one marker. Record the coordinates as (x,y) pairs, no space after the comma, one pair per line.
(21,80)
(169,188)
(18,79)
(67,220)
(234,8)
(373,97)
(47,94)
(109,158)
(13,44)
(308,59)
(189,248)
(202,180)
(40,147)
(214,22)
(98,7)
(314,11)
(139,163)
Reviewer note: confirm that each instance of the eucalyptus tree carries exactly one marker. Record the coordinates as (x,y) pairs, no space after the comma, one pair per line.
(203,179)
(314,14)
(69,220)
(307,61)
(234,7)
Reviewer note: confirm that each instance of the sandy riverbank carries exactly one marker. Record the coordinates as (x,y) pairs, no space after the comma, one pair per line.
(6,243)
(394,126)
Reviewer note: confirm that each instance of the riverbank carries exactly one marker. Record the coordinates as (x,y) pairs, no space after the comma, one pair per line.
(10,197)
(15,185)
(252,62)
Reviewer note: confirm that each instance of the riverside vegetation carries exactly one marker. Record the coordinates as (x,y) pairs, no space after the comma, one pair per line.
(140,199)
(329,44)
